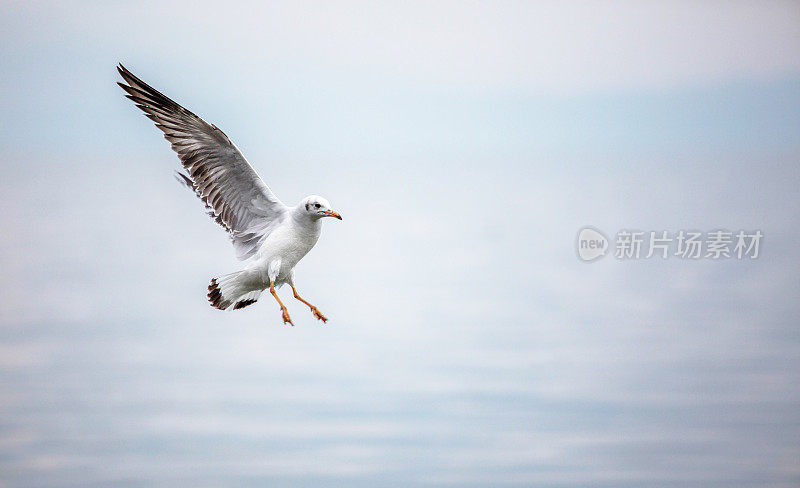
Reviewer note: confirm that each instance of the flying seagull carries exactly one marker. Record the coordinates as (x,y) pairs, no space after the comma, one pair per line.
(268,235)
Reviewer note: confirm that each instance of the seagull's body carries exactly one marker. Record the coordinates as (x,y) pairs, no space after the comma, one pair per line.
(270,236)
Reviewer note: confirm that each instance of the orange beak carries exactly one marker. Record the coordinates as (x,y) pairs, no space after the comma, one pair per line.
(331,213)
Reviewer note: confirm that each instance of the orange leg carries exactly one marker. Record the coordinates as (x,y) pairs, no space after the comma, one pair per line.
(314,309)
(286,318)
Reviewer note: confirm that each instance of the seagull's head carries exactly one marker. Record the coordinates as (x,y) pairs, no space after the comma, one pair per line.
(317,207)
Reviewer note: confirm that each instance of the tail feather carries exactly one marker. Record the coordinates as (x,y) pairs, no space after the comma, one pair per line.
(231,291)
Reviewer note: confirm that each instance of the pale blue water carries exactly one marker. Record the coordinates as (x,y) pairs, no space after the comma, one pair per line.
(198,404)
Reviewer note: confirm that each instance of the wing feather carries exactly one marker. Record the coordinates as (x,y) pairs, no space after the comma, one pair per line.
(234,195)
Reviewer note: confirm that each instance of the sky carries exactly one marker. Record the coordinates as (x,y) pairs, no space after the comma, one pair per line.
(465,144)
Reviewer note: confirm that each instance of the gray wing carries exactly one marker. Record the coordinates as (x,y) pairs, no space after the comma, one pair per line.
(234,195)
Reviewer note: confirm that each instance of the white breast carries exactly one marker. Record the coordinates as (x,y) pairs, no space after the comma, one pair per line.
(289,243)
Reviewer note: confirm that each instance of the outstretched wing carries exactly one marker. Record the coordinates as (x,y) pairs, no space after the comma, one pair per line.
(221,177)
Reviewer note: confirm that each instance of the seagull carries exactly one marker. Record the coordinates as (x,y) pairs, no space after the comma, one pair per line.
(269,236)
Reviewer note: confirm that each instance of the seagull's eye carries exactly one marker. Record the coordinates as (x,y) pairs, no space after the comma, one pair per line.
(317,205)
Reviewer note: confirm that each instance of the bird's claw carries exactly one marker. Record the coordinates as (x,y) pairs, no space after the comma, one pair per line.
(318,314)
(286,318)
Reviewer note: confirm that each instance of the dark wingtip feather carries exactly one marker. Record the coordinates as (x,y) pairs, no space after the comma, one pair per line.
(126,74)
